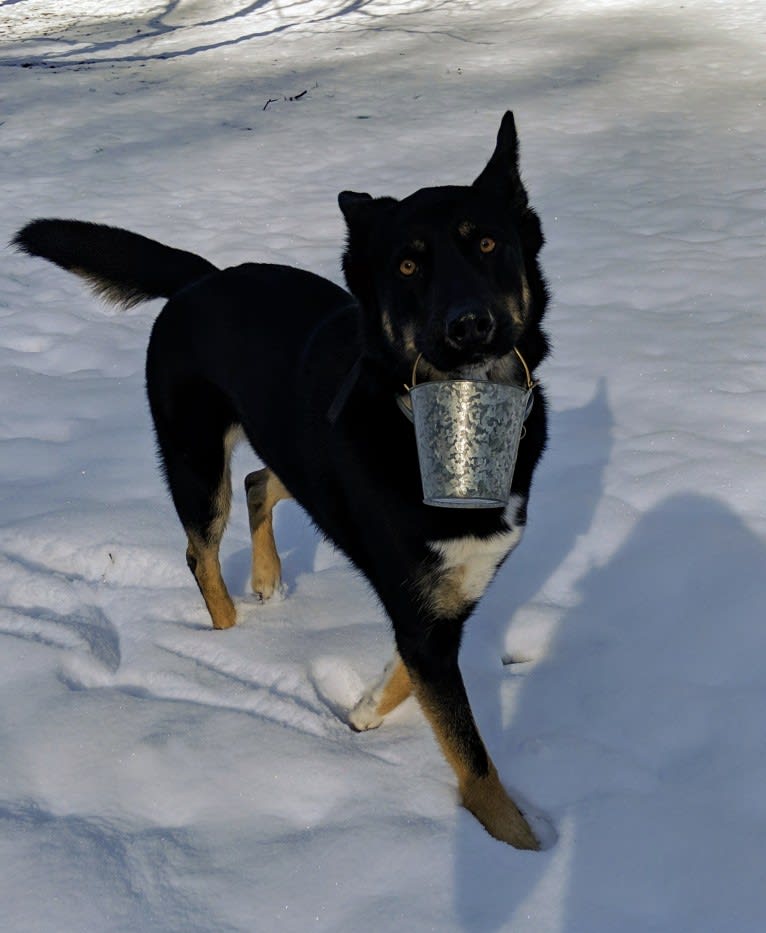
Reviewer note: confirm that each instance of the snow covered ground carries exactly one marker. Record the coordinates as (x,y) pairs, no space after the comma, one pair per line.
(158,776)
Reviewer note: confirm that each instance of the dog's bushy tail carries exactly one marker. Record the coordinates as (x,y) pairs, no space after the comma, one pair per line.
(122,267)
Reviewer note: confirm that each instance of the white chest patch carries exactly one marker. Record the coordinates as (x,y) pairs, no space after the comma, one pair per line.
(466,566)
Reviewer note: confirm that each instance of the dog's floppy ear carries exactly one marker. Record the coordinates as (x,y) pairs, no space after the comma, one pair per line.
(360,210)
(354,205)
(502,171)
(363,214)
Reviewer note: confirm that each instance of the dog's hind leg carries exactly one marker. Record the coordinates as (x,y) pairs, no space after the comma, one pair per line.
(383,696)
(204,540)
(202,558)
(196,433)
(264,489)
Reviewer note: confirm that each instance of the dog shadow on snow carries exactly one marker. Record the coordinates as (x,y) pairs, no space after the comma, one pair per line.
(655,649)
(676,604)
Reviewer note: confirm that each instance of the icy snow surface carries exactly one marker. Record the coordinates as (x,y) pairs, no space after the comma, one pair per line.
(158,776)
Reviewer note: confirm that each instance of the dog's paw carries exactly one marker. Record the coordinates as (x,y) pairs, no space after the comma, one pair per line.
(264,590)
(492,806)
(365,715)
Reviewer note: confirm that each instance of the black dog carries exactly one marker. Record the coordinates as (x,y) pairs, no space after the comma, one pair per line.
(311,376)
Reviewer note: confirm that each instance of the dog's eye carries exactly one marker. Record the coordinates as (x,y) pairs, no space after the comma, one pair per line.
(408,267)
(487,244)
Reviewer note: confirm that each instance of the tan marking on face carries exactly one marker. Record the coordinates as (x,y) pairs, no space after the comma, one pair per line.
(514,311)
(387,325)
(503,369)
(408,338)
(526,295)
(427,372)
(466,229)
(518,309)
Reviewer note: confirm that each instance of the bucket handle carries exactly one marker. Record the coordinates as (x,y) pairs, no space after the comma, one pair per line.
(405,405)
(530,381)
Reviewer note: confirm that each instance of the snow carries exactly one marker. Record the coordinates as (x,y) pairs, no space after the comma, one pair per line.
(158,776)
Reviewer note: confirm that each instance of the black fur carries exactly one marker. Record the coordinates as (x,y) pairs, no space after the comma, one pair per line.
(122,266)
(312,373)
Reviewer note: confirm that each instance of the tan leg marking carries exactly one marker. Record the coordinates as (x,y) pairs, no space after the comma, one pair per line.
(482,795)
(382,697)
(492,806)
(266,573)
(396,689)
(264,490)
(202,552)
(202,559)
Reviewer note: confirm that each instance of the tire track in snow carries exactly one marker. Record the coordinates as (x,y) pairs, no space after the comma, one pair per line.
(271,693)
(214,678)
(89,629)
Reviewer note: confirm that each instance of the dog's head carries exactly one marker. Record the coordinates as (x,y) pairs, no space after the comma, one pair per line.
(450,273)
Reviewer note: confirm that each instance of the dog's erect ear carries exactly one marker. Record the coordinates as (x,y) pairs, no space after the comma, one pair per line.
(502,171)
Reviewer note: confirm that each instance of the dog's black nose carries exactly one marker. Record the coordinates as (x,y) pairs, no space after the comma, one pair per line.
(469,327)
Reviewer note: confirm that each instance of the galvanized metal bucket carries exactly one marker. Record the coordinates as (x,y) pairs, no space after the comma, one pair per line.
(468,436)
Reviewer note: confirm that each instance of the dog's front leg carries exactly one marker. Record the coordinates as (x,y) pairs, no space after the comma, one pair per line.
(438,685)
(392,688)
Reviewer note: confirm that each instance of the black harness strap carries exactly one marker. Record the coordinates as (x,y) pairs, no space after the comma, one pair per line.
(345,390)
